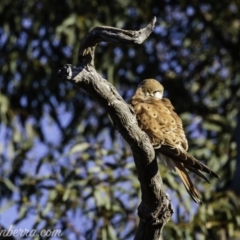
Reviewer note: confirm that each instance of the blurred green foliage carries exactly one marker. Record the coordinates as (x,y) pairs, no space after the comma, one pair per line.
(63,166)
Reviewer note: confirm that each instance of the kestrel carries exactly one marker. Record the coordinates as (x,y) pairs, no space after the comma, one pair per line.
(156,117)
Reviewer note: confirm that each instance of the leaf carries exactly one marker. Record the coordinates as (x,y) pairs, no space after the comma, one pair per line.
(22,214)
(104,234)
(9,184)
(66,194)
(6,206)
(111,232)
(211,126)
(79,148)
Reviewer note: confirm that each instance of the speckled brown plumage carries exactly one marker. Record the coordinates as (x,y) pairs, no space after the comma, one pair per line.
(156,117)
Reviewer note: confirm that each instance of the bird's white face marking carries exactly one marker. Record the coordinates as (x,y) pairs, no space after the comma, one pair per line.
(158,94)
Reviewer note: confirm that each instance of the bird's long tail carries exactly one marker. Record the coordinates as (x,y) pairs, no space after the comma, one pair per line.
(181,170)
(181,161)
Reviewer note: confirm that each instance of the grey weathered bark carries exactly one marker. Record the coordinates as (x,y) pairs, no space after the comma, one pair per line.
(155,209)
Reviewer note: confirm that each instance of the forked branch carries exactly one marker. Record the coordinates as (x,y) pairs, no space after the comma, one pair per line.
(111,34)
(155,209)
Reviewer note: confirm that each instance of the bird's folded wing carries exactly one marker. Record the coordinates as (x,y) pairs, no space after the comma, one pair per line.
(157,118)
(187,159)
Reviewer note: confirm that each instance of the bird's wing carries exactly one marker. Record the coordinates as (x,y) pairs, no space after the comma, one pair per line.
(158,119)
(187,160)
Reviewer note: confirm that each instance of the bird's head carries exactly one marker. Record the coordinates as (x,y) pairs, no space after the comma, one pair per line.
(151,87)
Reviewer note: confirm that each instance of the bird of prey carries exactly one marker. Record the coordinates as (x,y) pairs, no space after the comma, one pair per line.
(156,117)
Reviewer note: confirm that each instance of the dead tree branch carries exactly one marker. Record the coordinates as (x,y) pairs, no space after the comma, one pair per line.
(155,210)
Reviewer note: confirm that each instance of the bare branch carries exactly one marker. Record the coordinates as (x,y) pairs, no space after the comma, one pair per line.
(111,34)
(155,209)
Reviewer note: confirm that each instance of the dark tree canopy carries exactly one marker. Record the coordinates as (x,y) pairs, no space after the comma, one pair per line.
(64,166)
